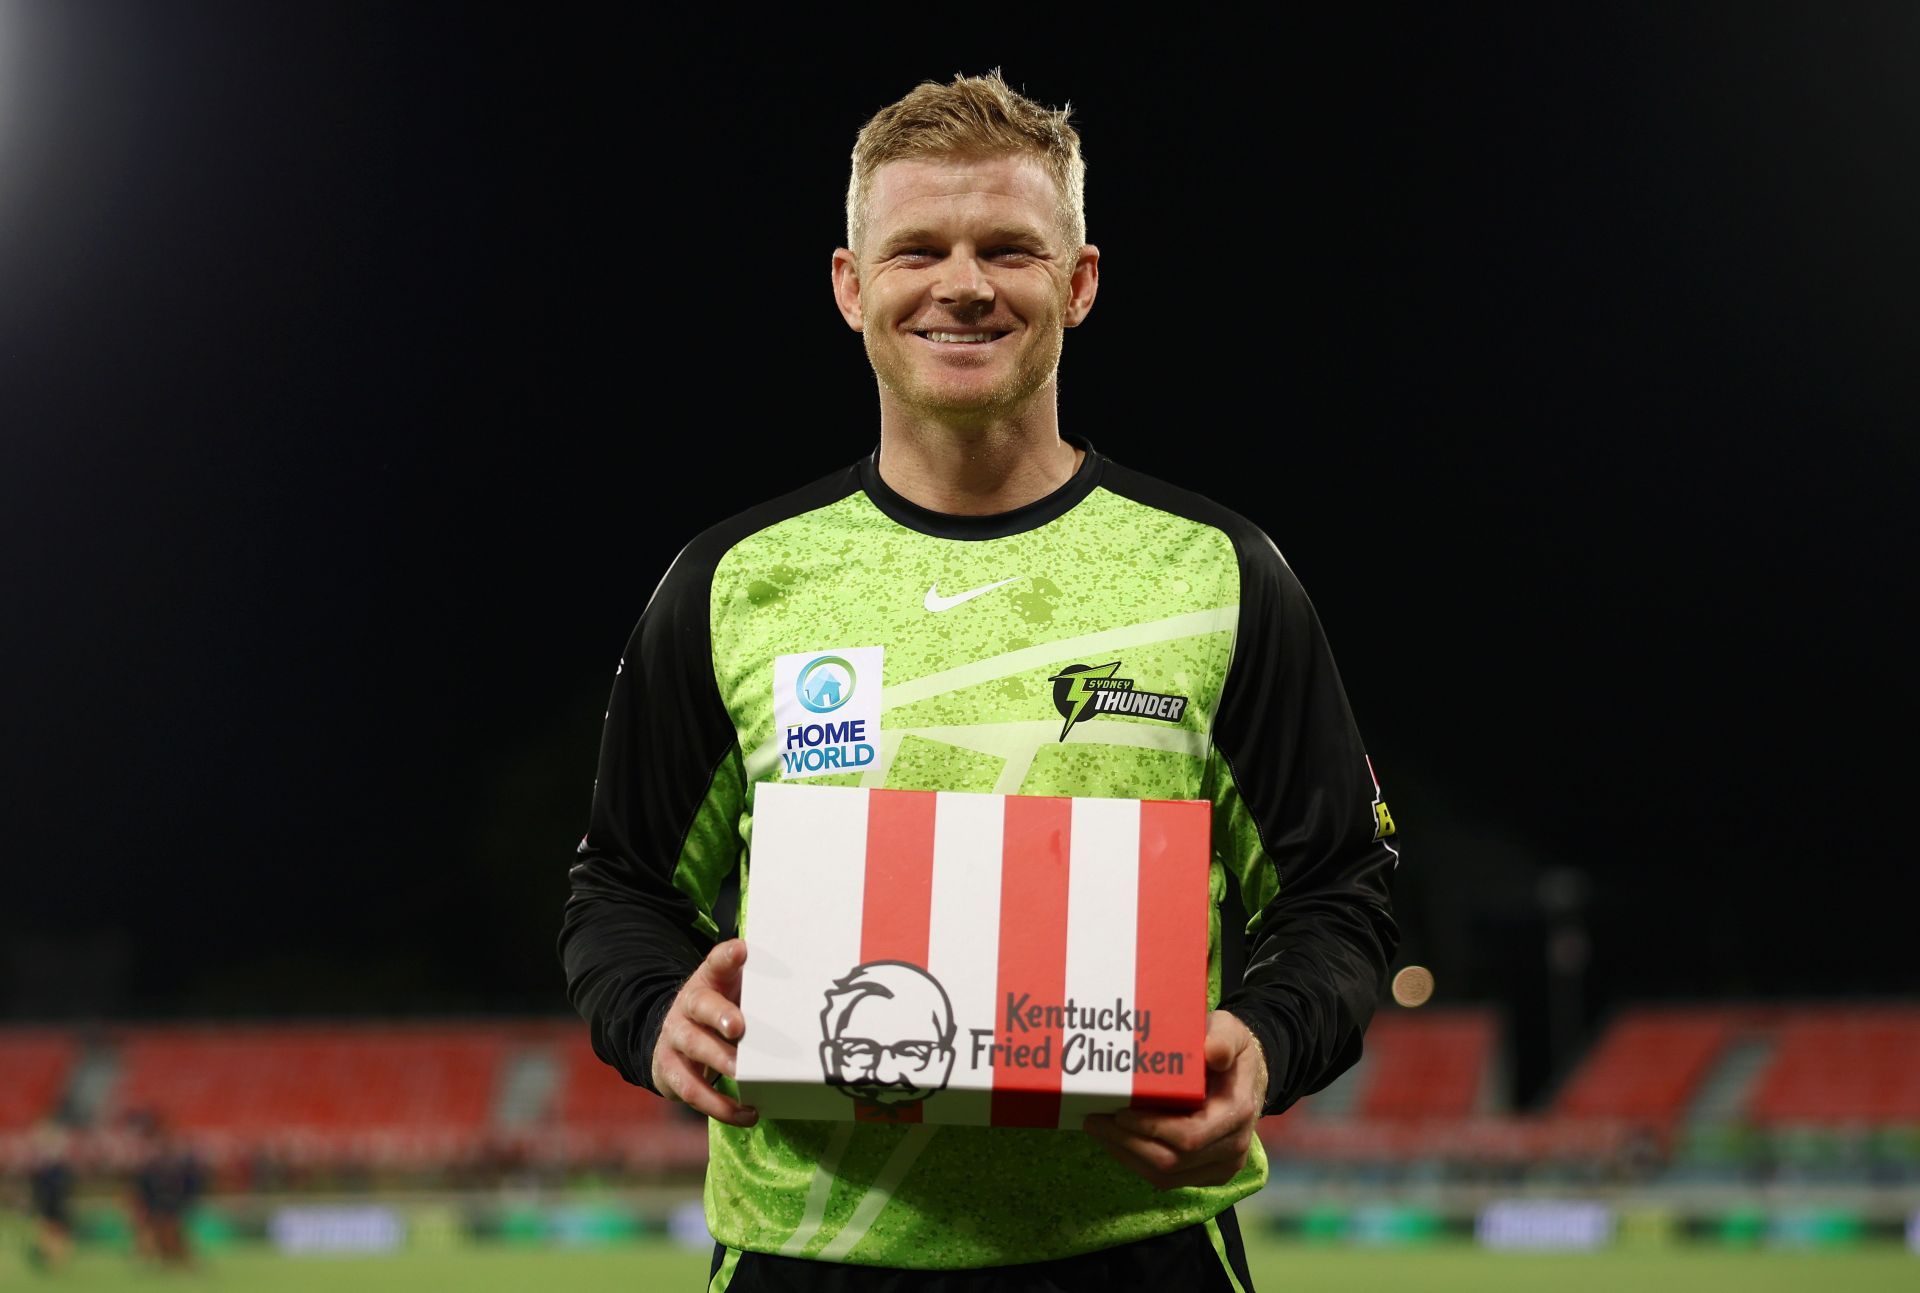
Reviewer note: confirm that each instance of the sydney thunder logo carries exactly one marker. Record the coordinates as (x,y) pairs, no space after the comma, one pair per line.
(1089,690)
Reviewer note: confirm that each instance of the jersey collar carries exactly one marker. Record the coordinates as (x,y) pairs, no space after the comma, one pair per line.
(999,525)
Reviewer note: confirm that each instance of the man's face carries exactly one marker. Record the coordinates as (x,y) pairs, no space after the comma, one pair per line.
(889,1050)
(964,248)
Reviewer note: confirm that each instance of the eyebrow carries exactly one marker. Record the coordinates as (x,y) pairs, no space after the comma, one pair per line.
(995,237)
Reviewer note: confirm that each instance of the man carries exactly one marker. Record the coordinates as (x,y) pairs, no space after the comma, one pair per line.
(168,1179)
(985,566)
(50,1186)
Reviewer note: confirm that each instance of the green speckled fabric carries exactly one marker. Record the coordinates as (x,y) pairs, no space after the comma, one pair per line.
(966,704)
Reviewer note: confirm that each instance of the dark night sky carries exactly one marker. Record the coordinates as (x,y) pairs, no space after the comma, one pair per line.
(361,371)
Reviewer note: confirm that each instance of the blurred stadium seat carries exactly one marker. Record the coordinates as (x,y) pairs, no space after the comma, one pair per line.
(1844,1066)
(345,1078)
(593,1094)
(34,1065)
(1706,1095)
(1429,1065)
(1649,1065)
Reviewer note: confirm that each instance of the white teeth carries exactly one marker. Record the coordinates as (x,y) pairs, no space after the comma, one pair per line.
(958,336)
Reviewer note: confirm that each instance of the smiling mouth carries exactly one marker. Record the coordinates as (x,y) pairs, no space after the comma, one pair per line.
(943,338)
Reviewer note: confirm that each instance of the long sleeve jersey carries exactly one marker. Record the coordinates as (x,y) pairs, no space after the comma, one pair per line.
(977,639)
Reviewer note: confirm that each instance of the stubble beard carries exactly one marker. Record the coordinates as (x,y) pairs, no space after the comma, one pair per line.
(899,376)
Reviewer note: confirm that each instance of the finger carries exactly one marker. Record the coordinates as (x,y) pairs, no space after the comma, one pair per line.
(1168,1169)
(1217,1172)
(1149,1154)
(1126,1156)
(722,966)
(686,1084)
(701,1044)
(1164,1170)
(1184,1131)
(713,1010)
(1170,1159)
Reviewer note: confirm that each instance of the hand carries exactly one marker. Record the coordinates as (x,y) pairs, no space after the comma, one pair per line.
(698,1036)
(1209,1145)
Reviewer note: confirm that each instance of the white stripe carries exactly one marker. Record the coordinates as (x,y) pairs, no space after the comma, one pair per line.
(963,939)
(818,1189)
(1013,773)
(1017,742)
(1108,640)
(816,939)
(1027,735)
(763,759)
(1103,917)
(876,776)
(897,1166)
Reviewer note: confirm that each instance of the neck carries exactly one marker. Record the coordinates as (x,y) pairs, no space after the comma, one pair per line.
(975,469)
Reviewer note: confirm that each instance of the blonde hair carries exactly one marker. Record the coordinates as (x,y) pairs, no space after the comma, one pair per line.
(975,116)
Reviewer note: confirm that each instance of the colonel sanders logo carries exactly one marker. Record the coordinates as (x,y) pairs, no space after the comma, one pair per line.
(888,1034)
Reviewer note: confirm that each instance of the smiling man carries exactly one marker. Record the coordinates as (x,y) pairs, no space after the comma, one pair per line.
(925,618)
(972,274)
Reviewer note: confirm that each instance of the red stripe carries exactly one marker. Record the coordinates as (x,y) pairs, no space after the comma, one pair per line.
(1170,961)
(899,899)
(898,904)
(1033,952)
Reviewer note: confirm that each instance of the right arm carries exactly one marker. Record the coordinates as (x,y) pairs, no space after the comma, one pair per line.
(638,937)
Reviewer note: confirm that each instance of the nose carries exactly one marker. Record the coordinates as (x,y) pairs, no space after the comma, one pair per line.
(961,282)
(886,1068)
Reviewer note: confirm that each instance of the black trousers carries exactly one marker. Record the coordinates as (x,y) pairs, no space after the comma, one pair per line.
(1184,1261)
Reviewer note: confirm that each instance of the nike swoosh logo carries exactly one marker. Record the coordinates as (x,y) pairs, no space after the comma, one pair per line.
(936,603)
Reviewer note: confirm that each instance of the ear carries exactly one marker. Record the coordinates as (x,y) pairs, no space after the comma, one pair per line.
(1083,285)
(846,286)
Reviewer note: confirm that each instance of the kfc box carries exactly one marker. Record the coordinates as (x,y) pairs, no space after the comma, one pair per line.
(990,960)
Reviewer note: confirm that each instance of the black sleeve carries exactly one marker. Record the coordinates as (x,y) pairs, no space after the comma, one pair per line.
(1317,864)
(663,832)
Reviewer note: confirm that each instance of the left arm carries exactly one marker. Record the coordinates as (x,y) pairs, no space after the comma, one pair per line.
(1295,822)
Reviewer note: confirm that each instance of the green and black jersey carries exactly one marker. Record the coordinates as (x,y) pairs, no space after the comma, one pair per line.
(1119,637)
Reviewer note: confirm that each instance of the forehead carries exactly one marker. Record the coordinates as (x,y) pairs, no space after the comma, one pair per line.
(959,192)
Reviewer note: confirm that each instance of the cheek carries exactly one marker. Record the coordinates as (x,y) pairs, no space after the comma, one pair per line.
(1045,306)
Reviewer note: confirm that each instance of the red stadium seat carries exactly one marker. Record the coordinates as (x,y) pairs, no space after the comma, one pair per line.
(594,1095)
(1649,1065)
(1849,1066)
(34,1067)
(1435,1064)
(266,1079)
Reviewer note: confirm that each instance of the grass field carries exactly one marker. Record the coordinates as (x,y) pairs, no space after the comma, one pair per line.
(1277,1268)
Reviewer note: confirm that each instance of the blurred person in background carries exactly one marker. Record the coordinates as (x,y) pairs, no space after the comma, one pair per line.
(50,1186)
(167,1180)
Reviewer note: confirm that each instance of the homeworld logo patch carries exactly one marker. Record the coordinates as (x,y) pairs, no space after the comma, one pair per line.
(1082,691)
(826,710)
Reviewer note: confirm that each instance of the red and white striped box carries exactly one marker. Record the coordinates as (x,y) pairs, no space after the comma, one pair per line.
(988,960)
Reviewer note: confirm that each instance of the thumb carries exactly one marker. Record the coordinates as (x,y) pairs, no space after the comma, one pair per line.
(1226,1038)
